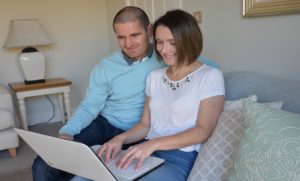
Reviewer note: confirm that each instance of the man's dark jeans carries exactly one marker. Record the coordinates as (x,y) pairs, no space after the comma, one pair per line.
(98,132)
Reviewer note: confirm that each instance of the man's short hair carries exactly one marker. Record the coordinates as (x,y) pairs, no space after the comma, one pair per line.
(130,14)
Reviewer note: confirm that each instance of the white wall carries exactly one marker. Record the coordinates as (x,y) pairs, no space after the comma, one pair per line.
(79,29)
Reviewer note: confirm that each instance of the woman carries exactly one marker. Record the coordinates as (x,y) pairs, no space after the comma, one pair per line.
(184,101)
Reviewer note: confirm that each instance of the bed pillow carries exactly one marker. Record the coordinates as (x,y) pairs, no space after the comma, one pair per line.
(269,148)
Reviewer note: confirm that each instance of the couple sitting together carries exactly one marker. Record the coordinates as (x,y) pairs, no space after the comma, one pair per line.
(155,99)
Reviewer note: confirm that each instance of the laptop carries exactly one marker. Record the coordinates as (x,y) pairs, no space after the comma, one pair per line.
(79,159)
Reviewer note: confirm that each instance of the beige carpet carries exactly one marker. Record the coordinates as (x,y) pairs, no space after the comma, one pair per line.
(17,175)
(19,168)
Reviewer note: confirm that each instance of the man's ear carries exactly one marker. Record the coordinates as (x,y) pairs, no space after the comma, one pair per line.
(149,30)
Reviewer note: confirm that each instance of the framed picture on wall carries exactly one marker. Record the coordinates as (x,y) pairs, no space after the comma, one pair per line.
(269,7)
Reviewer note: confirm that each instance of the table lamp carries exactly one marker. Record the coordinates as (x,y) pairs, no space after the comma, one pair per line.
(27,34)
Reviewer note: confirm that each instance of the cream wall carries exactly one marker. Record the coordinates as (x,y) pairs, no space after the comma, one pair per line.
(112,8)
(270,45)
(79,29)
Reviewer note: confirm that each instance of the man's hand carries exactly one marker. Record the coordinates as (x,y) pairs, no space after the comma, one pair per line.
(66,137)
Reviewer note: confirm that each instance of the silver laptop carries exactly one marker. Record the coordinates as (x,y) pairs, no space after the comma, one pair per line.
(79,159)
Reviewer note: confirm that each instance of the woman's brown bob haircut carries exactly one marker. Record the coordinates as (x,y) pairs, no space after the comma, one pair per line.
(186,33)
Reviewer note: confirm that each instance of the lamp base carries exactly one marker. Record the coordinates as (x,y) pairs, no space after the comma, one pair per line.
(32,65)
(34,81)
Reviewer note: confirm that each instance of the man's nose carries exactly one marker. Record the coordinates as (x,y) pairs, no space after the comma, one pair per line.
(128,42)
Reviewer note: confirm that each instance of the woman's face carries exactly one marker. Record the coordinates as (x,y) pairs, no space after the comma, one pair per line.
(165,45)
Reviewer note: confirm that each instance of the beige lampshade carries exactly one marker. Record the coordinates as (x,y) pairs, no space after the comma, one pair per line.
(26,32)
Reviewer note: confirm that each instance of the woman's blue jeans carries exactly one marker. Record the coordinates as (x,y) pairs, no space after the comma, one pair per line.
(177,166)
(98,132)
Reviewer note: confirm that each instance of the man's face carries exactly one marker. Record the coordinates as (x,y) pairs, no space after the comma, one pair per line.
(133,39)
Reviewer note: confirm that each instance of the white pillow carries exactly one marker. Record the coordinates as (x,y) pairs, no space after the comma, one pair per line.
(275,104)
(236,104)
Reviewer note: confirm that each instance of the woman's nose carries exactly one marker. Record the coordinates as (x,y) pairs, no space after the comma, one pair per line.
(165,48)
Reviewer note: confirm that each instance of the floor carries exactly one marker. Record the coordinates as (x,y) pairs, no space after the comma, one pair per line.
(19,168)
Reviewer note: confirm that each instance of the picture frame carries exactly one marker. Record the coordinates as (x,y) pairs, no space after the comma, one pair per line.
(252,8)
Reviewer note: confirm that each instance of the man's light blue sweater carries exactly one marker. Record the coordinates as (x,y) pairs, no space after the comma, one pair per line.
(116,91)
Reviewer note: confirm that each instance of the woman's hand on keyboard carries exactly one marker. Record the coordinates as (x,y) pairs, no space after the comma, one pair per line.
(137,152)
(111,148)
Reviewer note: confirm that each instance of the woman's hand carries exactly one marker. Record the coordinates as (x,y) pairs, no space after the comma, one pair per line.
(111,148)
(138,152)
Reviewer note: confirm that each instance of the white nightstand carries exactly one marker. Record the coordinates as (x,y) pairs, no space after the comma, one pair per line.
(58,86)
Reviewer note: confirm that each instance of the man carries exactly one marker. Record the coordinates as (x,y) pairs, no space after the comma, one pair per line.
(115,95)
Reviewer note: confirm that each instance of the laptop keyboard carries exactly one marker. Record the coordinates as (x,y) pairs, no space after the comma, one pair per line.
(131,173)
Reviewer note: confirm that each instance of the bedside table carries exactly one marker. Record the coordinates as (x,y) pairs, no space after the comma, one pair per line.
(58,86)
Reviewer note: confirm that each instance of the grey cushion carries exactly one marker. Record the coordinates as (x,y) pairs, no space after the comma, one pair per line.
(265,87)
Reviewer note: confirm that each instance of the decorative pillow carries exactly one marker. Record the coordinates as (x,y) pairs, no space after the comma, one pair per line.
(217,154)
(236,104)
(270,146)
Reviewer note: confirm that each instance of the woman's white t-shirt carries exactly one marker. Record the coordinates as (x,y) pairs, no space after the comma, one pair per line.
(174,104)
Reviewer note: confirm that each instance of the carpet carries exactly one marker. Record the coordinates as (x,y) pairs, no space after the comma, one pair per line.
(17,175)
(19,168)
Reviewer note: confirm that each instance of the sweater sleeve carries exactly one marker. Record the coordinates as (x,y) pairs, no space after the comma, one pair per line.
(92,104)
